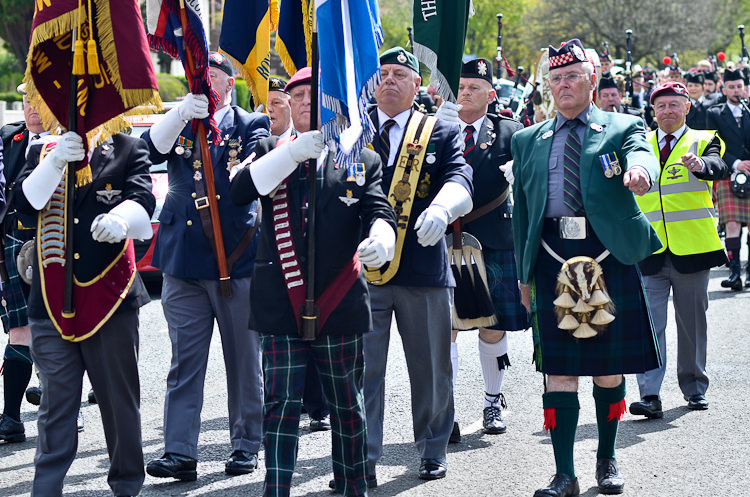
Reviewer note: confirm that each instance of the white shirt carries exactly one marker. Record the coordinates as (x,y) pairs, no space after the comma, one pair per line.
(396,133)
(33,142)
(661,135)
(219,114)
(477,126)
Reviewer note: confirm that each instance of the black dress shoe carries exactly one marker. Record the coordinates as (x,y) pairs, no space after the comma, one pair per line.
(241,462)
(173,466)
(433,468)
(561,485)
(697,403)
(455,434)
(650,407)
(34,395)
(92,397)
(608,477)
(493,421)
(372,482)
(323,424)
(11,431)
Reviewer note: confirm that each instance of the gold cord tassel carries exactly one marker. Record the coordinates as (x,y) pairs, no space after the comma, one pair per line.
(93,57)
(79,64)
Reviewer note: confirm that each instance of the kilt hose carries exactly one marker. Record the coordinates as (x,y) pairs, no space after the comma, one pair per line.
(340,363)
(14,290)
(731,207)
(502,281)
(629,343)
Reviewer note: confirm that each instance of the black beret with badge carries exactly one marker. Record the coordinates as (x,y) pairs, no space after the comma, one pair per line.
(400,56)
(477,68)
(571,52)
(276,84)
(219,61)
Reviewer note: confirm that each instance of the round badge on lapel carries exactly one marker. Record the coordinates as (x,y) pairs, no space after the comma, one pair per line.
(18,137)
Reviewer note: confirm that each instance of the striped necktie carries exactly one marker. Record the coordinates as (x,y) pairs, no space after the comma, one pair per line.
(572,177)
(469,143)
(385,142)
(666,149)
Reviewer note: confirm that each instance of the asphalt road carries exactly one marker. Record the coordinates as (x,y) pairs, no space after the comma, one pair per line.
(685,453)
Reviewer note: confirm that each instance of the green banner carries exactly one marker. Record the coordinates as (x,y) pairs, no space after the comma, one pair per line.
(439,35)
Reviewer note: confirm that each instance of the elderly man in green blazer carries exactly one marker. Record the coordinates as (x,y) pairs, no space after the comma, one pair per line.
(576,176)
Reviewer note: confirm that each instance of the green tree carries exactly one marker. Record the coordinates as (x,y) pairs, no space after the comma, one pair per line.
(15,27)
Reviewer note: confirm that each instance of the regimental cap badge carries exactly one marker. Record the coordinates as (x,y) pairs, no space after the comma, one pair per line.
(482,68)
(401,57)
(571,52)
(578,53)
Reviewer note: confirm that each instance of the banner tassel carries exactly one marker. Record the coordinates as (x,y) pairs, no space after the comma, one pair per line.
(93,58)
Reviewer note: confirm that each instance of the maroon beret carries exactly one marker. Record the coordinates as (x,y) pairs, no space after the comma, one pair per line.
(669,88)
(301,77)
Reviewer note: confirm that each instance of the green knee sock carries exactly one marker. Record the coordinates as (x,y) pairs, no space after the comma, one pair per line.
(561,419)
(610,406)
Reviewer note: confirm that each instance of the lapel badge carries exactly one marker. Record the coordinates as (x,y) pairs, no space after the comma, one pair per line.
(197,164)
(197,176)
(108,196)
(547,134)
(596,127)
(483,146)
(18,137)
(349,199)
(430,159)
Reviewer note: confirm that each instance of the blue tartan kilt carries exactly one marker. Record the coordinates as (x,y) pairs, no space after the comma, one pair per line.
(502,281)
(15,291)
(627,346)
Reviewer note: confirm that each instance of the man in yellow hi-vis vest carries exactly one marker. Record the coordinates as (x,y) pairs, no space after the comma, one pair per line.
(680,209)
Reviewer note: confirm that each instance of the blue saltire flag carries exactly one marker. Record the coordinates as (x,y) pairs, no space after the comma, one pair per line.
(349,35)
(165,35)
(294,35)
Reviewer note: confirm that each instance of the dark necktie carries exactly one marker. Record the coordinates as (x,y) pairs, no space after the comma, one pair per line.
(35,137)
(385,141)
(469,143)
(666,149)
(572,176)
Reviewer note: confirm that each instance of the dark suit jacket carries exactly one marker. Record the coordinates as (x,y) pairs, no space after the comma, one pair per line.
(696,118)
(119,164)
(339,228)
(13,159)
(495,229)
(429,266)
(182,248)
(736,139)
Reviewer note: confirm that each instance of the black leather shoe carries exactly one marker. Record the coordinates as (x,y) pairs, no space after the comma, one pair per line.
(92,397)
(34,395)
(650,407)
(372,482)
(455,434)
(433,469)
(697,403)
(493,421)
(321,424)
(173,466)
(561,485)
(608,477)
(241,462)
(11,431)
(734,281)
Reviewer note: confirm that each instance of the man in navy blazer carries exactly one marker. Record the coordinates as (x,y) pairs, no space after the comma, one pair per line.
(190,294)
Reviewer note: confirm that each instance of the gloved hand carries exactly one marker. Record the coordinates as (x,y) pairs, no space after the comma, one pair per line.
(507,170)
(43,180)
(193,107)
(448,112)
(69,148)
(308,145)
(431,225)
(379,247)
(109,227)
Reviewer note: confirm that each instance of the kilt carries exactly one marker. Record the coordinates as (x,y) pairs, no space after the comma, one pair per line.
(502,281)
(730,207)
(628,345)
(15,291)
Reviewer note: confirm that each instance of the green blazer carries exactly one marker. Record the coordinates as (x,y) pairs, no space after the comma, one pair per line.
(610,207)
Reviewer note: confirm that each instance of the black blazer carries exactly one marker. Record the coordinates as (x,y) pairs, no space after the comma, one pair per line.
(696,118)
(13,159)
(339,230)
(118,165)
(736,138)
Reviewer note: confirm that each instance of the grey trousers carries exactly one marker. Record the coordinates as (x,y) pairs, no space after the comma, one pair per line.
(423,316)
(110,357)
(690,300)
(190,307)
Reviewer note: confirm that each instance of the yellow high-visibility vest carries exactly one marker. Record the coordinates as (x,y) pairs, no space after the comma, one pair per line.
(679,205)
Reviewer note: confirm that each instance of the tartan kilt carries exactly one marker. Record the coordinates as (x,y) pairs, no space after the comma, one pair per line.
(15,291)
(627,346)
(730,207)
(502,281)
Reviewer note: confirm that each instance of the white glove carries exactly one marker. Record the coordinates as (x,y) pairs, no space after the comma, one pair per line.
(507,170)
(193,107)
(110,228)
(45,177)
(379,247)
(164,133)
(448,112)
(306,146)
(136,217)
(431,225)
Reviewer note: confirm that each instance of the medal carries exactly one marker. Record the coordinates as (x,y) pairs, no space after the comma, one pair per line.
(187,153)
(179,150)
(430,159)
(483,146)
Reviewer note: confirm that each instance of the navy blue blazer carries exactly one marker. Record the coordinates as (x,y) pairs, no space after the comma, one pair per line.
(182,248)
(429,266)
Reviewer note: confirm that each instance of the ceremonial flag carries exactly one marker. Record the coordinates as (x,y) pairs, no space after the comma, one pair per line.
(349,35)
(439,35)
(112,65)
(245,40)
(294,35)
(165,35)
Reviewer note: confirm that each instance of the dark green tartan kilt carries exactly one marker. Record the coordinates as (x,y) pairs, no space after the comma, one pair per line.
(627,346)
(502,281)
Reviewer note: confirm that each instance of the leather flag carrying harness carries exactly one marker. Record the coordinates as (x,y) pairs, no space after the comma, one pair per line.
(403,187)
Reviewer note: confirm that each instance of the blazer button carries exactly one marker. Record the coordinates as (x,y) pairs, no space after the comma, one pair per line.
(194,195)
(76,256)
(75,220)
(189,222)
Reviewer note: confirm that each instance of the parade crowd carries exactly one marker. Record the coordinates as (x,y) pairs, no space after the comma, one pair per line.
(457,217)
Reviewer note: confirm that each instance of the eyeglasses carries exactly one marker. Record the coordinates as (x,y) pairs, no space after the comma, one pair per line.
(571,78)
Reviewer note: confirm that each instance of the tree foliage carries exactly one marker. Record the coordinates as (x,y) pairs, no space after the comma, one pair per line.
(15,27)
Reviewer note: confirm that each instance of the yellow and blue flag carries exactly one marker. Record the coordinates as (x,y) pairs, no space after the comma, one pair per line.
(294,35)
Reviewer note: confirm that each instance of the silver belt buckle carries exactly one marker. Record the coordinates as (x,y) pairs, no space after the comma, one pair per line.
(573,228)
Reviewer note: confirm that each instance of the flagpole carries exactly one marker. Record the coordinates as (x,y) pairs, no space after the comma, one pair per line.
(310,310)
(69,310)
(225,283)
